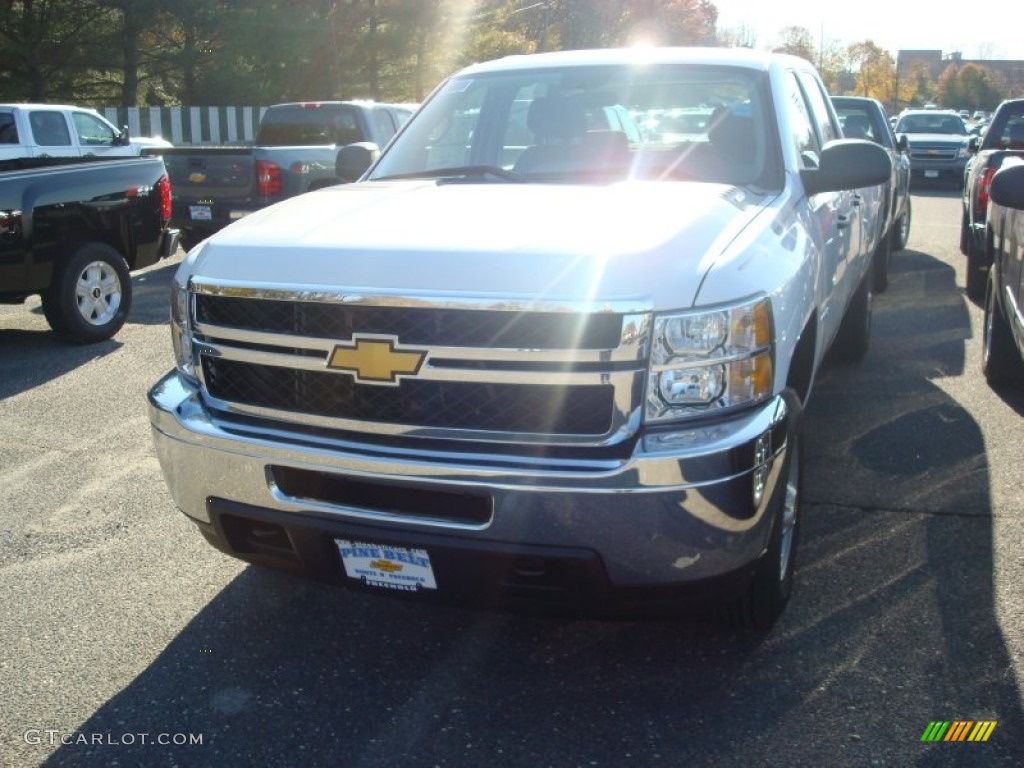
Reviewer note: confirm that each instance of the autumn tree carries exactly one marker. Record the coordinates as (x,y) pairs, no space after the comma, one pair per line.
(833,66)
(736,37)
(668,22)
(797,41)
(968,87)
(875,68)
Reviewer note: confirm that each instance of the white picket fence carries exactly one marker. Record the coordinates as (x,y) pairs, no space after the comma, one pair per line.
(189,125)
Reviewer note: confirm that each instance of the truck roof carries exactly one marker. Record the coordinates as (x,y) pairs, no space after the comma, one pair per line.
(736,57)
(40,105)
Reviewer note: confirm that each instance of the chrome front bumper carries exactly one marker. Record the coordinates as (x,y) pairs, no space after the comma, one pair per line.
(679,510)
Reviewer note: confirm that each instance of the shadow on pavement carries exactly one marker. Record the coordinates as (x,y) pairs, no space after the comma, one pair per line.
(893,626)
(30,357)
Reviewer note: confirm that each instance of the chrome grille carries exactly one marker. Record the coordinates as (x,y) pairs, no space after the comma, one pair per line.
(414,325)
(941,152)
(579,410)
(507,371)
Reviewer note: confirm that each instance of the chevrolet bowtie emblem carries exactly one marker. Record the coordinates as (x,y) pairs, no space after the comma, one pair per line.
(375,361)
(197,178)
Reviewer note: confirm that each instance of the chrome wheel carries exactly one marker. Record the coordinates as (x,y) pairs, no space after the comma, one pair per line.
(98,293)
(91,294)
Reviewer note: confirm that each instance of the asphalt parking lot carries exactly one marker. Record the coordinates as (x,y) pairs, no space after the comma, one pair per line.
(126,640)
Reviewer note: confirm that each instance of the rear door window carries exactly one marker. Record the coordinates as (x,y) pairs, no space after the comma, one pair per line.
(49,129)
(8,129)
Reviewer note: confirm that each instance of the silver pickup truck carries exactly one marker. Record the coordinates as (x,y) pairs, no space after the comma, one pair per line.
(526,358)
(296,151)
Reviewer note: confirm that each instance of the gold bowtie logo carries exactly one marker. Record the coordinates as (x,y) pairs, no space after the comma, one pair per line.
(375,361)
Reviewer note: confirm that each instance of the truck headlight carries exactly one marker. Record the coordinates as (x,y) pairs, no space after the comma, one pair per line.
(181,335)
(710,359)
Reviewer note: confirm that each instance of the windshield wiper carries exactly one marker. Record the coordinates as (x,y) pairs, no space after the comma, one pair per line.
(459,173)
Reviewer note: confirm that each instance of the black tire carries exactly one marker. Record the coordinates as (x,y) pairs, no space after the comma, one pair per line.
(190,238)
(854,336)
(880,263)
(977,272)
(52,312)
(91,295)
(900,234)
(1001,361)
(965,234)
(771,587)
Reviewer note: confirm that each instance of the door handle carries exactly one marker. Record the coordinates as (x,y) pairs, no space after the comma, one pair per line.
(857,199)
(842,221)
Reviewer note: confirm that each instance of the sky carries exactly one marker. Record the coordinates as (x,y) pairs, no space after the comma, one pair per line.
(891,24)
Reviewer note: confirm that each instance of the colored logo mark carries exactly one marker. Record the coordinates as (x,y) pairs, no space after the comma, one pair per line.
(376,361)
(958,730)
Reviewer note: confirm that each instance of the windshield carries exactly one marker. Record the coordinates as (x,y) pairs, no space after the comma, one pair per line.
(932,123)
(593,123)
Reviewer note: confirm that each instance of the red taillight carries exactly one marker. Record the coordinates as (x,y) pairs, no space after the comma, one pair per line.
(268,178)
(163,188)
(981,201)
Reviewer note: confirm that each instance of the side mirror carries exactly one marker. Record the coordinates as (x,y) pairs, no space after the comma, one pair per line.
(903,143)
(973,143)
(123,139)
(1007,187)
(848,164)
(355,159)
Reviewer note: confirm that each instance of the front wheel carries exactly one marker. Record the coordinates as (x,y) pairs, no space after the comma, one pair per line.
(901,231)
(977,271)
(965,233)
(880,266)
(772,585)
(1000,359)
(90,296)
(854,336)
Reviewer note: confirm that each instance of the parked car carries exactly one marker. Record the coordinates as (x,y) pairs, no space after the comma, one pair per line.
(938,144)
(559,367)
(56,130)
(864,118)
(1003,139)
(296,151)
(1003,336)
(71,229)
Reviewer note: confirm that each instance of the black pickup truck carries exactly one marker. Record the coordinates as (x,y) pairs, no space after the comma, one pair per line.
(1003,139)
(72,229)
(296,151)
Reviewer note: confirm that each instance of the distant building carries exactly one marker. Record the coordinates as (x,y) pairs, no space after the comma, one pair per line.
(1011,70)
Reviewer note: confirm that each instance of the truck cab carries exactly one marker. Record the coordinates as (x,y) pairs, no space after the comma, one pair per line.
(55,130)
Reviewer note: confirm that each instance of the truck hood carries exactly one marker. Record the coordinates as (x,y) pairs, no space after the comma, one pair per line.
(647,242)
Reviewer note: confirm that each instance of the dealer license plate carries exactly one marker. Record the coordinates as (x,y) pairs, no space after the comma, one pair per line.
(200,212)
(380,565)
(931,174)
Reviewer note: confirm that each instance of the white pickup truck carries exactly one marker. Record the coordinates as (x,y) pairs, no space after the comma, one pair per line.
(526,358)
(59,130)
